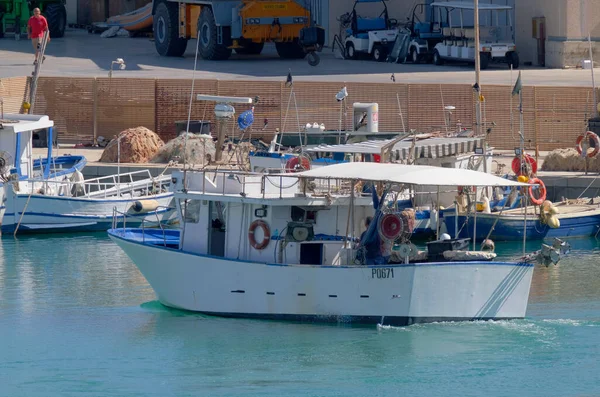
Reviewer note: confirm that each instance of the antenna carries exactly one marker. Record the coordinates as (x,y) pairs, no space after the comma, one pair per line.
(223,112)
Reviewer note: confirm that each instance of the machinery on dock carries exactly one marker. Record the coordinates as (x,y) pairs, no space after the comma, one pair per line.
(222,26)
(14,15)
(373,37)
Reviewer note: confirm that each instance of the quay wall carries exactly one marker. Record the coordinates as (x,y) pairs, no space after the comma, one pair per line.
(85,108)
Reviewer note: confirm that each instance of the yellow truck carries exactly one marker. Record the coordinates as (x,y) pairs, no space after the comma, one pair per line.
(222,26)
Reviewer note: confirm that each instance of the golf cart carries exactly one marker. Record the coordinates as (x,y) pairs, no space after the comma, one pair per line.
(370,36)
(425,34)
(496,40)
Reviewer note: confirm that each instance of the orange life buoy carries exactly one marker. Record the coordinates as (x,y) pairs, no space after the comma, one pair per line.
(297,164)
(591,136)
(266,232)
(542,187)
(527,159)
(391,226)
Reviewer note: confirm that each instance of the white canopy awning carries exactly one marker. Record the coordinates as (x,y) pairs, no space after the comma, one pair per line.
(425,148)
(470,5)
(16,123)
(419,175)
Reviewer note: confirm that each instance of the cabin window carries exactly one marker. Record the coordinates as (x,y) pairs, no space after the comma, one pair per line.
(297,214)
(191,210)
(301,215)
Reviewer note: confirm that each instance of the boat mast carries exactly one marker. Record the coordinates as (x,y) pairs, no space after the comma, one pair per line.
(595,110)
(478,86)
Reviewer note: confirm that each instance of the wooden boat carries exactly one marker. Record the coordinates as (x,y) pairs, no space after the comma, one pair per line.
(285,247)
(576,220)
(16,158)
(92,205)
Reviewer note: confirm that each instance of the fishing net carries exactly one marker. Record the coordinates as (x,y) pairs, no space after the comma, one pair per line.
(199,149)
(138,145)
(569,160)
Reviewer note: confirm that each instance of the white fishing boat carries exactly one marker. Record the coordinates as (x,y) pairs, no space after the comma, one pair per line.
(287,246)
(91,205)
(16,153)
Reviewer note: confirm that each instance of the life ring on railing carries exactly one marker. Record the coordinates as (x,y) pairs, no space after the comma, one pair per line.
(542,188)
(591,136)
(297,164)
(529,162)
(266,232)
(390,226)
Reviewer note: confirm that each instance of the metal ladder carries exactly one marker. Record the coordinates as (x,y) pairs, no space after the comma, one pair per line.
(36,71)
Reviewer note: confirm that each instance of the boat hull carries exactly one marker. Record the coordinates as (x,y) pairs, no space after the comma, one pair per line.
(52,214)
(510,227)
(63,166)
(391,294)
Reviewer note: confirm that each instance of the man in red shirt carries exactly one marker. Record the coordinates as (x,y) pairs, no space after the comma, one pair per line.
(36,27)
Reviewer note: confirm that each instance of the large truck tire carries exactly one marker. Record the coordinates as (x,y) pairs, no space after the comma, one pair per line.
(56,14)
(290,50)
(208,46)
(166,30)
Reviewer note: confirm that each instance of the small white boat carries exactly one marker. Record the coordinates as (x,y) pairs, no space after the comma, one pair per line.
(75,205)
(16,148)
(285,246)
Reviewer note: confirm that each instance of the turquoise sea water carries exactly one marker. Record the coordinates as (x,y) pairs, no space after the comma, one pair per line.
(77,318)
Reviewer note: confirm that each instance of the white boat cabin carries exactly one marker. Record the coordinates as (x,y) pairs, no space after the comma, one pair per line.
(16,141)
(270,219)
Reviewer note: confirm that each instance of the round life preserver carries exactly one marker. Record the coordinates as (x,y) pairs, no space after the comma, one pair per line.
(542,187)
(529,160)
(266,232)
(390,226)
(297,164)
(591,136)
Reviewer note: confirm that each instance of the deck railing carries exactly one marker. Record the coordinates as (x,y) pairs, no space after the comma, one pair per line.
(103,187)
(120,214)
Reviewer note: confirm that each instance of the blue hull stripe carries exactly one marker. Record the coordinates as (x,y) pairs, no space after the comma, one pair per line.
(581,226)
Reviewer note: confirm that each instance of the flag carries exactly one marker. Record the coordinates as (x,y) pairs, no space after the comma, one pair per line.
(289,81)
(517,88)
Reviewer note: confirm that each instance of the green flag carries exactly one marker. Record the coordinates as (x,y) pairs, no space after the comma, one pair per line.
(517,88)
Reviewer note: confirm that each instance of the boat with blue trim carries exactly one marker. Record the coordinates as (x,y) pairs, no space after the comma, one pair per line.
(91,205)
(289,246)
(16,153)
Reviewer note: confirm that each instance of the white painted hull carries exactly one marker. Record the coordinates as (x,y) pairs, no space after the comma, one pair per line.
(398,294)
(65,214)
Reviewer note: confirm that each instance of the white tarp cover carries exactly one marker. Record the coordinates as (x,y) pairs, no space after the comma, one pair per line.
(470,5)
(419,175)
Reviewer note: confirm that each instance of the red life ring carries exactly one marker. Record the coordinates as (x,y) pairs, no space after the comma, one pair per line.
(390,226)
(593,137)
(266,232)
(297,164)
(542,188)
(516,164)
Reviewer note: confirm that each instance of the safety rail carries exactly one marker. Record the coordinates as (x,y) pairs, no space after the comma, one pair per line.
(144,216)
(286,185)
(107,186)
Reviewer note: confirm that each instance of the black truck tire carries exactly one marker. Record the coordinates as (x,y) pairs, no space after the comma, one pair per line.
(56,14)
(166,30)
(290,50)
(208,46)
